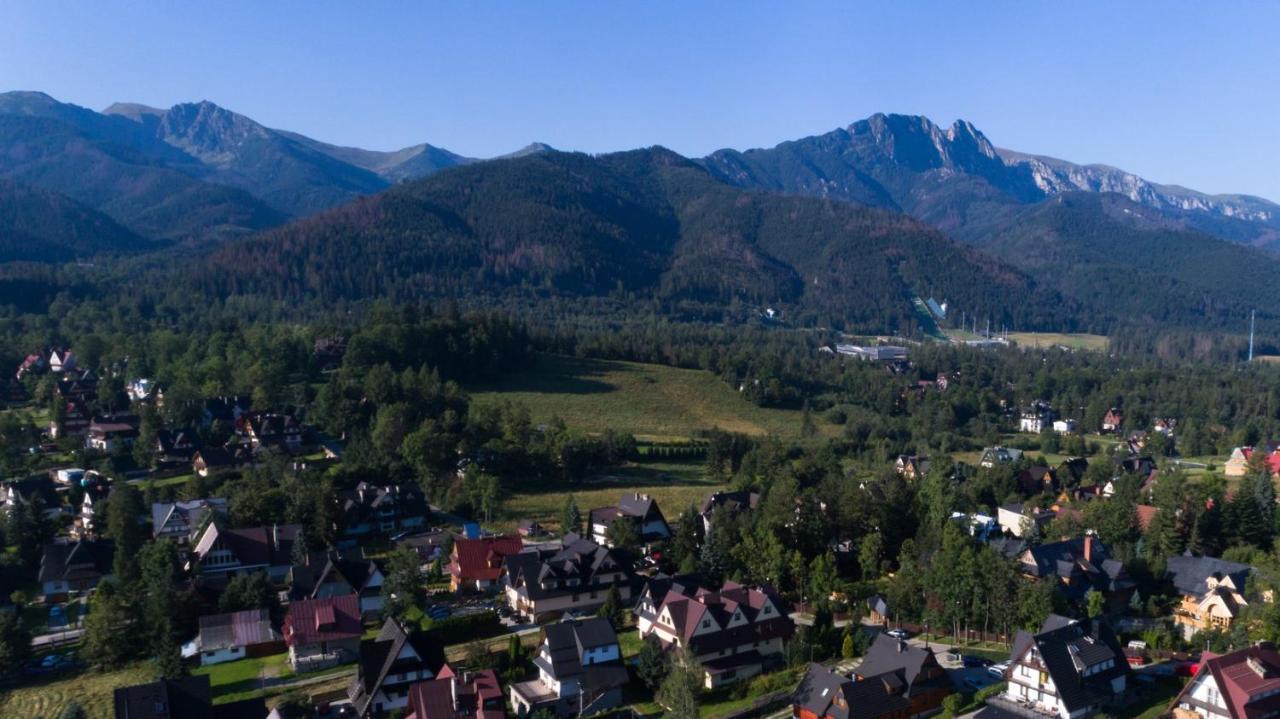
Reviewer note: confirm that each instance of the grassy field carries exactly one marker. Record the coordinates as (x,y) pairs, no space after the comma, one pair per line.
(1053,339)
(47,699)
(650,401)
(674,485)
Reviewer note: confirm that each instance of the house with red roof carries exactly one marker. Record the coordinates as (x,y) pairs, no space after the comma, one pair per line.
(321,633)
(1244,684)
(736,632)
(474,695)
(477,563)
(1242,458)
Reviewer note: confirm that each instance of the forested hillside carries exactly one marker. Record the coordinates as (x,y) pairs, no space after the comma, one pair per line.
(648,224)
(47,227)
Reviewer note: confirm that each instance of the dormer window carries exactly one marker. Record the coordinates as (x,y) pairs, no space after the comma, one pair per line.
(706,623)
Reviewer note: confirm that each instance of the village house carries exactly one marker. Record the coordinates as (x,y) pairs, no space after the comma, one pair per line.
(1211,591)
(180,521)
(994,456)
(736,632)
(383,509)
(1065,426)
(82,388)
(226,409)
(186,698)
(580,671)
(639,509)
(476,564)
(176,446)
(61,360)
(576,576)
(208,461)
(910,466)
(389,664)
(140,389)
(1112,421)
(31,364)
(1244,684)
(1164,426)
(473,695)
(894,681)
(232,636)
(1071,669)
(95,494)
(529,528)
(878,610)
(79,566)
(271,430)
(1036,417)
(71,421)
(1077,566)
(731,502)
(40,489)
(1242,459)
(219,551)
(321,633)
(106,434)
(1017,518)
(333,574)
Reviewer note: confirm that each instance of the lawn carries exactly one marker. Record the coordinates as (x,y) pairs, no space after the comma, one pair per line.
(650,401)
(47,698)
(674,485)
(1054,339)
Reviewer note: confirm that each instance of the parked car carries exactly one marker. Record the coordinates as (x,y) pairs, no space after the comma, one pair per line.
(998,670)
(899,633)
(971,661)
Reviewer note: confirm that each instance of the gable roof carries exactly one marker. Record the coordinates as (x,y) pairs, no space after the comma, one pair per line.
(380,657)
(482,559)
(77,561)
(827,694)
(1067,648)
(437,699)
(1191,574)
(1248,680)
(565,643)
(188,698)
(311,621)
(251,546)
(888,654)
(237,629)
(192,513)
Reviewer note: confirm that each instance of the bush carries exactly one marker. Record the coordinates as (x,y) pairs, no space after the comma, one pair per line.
(459,629)
(952,703)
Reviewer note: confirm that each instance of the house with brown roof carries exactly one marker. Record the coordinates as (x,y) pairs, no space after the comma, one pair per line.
(736,632)
(476,564)
(389,664)
(332,573)
(187,698)
(639,509)
(272,430)
(232,636)
(733,503)
(226,552)
(1244,684)
(321,633)
(1076,566)
(74,567)
(1112,421)
(106,434)
(911,466)
(212,460)
(72,420)
(471,695)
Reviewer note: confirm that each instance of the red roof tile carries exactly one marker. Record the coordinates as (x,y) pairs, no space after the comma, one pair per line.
(481,559)
(310,621)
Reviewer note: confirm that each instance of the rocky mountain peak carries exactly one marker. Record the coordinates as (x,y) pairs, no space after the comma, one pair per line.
(209,132)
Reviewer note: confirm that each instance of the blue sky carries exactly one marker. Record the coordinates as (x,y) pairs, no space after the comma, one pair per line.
(1177,92)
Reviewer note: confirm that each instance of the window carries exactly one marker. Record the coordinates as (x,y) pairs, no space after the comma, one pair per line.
(706,623)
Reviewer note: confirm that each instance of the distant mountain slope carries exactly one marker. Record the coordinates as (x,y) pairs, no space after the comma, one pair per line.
(646,222)
(946,176)
(99,165)
(409,163)
(41,226)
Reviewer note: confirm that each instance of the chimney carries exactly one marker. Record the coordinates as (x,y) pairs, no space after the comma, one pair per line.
(1088,547)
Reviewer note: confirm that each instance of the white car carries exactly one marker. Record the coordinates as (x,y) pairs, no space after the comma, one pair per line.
(998,670)
(898,633)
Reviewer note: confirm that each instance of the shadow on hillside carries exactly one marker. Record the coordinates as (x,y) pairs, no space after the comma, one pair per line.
(560,375)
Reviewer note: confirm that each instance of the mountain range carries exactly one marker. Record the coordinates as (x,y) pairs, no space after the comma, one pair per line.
(848,226)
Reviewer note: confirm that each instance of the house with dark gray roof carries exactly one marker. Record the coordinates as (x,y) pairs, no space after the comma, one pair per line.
(228,637)
(639,509)
(1212,592)
(333,573)
(580,671)
(390,664)
(573,577)
(180,521)
(383,509)
(733,503)
(1079,565)
(187,698)
(894,681)
(1072,669)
